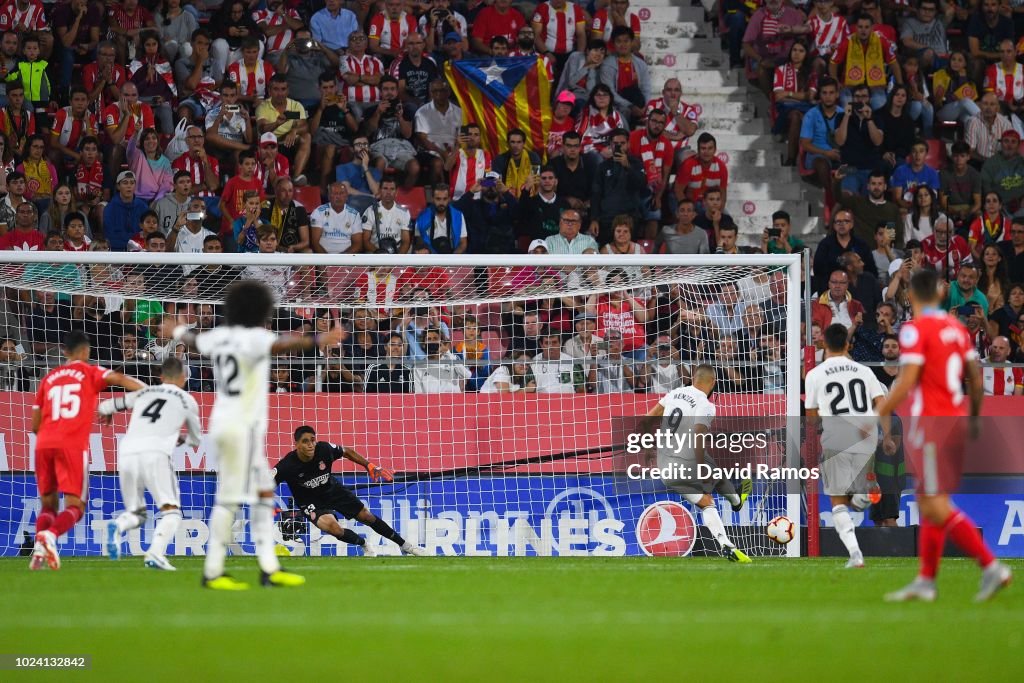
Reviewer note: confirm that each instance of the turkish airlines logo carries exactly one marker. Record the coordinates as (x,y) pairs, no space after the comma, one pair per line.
(666,529)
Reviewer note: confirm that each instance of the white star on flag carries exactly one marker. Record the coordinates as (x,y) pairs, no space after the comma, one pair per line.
(494,73)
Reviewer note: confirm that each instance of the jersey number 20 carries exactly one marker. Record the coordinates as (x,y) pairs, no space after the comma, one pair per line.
(856,390)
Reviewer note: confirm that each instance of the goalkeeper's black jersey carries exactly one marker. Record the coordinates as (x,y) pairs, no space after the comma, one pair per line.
(310,482)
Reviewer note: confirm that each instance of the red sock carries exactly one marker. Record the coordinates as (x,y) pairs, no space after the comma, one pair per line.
(929,548)
(962,531)
(65,521)
(45,519)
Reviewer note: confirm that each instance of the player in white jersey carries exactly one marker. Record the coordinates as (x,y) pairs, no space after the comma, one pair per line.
(144,458)
(241,351)
(687,411)
(845,393)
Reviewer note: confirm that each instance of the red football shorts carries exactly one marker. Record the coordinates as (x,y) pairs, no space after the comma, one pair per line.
(63,469)
(934,449)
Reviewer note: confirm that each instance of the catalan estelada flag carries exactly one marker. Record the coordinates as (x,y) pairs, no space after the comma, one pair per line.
(501,94)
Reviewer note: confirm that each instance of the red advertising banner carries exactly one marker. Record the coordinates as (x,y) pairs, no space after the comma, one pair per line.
(425,432)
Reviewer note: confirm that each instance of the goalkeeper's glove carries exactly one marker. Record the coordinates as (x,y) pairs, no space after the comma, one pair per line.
(378,473)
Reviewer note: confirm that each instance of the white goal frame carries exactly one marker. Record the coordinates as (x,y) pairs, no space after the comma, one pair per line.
(790,262)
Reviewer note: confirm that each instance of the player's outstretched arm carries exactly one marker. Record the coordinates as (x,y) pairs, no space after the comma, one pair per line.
(376,472)
(901,388)
(113,405)
(127,383)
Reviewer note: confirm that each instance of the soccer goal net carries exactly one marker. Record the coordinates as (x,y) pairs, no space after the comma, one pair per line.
(505,392)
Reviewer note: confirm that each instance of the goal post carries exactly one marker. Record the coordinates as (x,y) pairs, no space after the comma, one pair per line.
(505,391)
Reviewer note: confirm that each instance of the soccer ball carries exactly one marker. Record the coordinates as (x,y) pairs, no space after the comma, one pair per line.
(781,530)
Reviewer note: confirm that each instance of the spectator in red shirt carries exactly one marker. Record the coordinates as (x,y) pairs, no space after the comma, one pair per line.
(701,172)
(25,236)
(103,78)
(232,199)
(500,19)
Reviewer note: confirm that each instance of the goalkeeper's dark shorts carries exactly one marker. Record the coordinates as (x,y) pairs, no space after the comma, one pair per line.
(341,499)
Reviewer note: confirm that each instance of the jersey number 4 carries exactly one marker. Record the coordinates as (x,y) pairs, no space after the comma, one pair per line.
(64,401)
(858,397)
(152,411)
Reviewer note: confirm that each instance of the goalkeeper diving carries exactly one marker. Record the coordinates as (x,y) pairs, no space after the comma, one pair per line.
(688,409)
(307,471)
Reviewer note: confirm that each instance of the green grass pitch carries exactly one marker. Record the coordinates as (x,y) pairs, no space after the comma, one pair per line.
(514,619)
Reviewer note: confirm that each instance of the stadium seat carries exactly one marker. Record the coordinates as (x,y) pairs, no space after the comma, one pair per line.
(648,245)
(937,157)
(308,197)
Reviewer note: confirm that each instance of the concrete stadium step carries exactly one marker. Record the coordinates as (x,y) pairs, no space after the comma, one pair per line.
(680,46)
(668,14)
(739,171)
(696,79)
(718,126)
(684,62)
(751,160)
(660,3)
(741,143)
(676,29)
(763,191)
(741,207)
(739,111)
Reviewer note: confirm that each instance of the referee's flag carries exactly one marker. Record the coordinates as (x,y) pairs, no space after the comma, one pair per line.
(503,93)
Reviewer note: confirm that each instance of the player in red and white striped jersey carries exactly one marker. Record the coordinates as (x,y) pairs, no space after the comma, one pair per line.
(998,379)
(682,117)
(617,13)
(560,27)
(25,17)
(389,29)
(361,73)
(936,359)
(278,24)
(467,167)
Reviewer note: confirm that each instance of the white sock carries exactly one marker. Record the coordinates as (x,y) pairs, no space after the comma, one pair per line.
(127,520)
(262,528)
(221,520)
(713,521)
(843,523)
(733,498)
(166,524)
